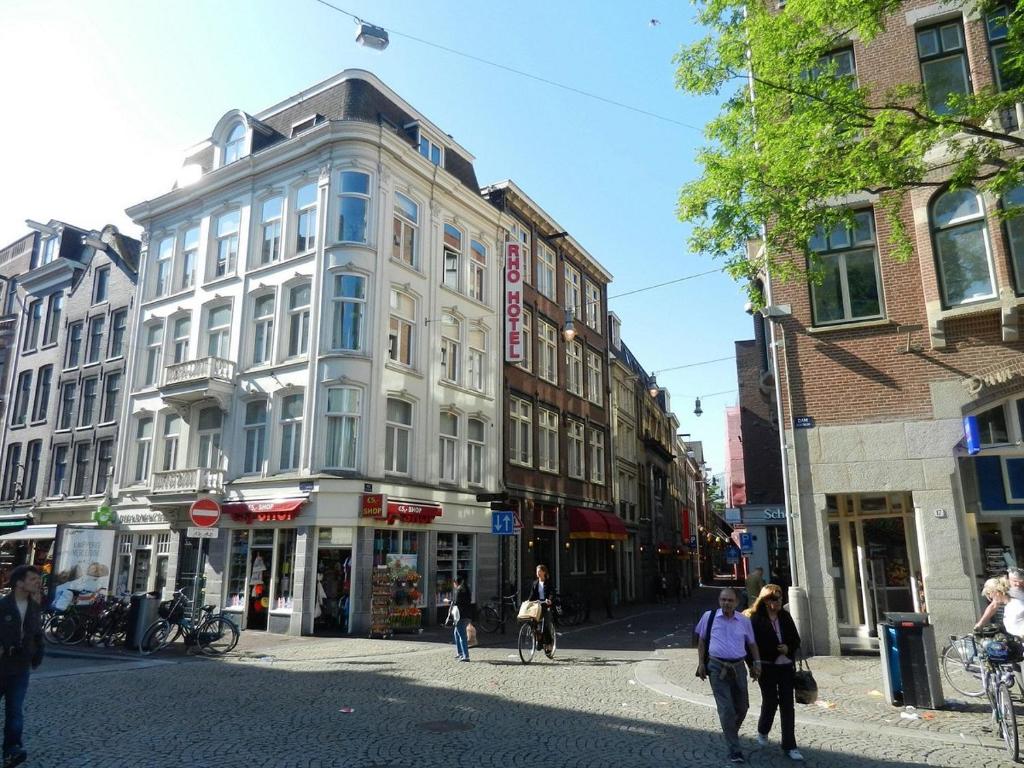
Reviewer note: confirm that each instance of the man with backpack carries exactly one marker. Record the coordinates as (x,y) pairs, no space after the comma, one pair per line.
(725,643)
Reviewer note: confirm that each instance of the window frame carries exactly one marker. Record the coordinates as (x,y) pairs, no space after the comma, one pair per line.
(66,410)
(347,309)
(345,195)
(291,429)
(839,255)
(118,333)
(231,238)
(108,409)
(595,377)
(44,387)
(163,267)
(392,430)
(169,458)
(59,460)
(101,285)
(476,452)
(597,456)
(220,331)
(548,459)
(452,257)
(400,223)
(276,242)
(189,258)
(574,371)
(22,397)
(254,449)
(88,402)
(33,325)
(354,416)
(54,309)
(547,342)
(178,343)
(152,353)
(80,470)
(592,305)
(980,220)
(76,336)
(547,271)
(305,217)
(263,323)
(448,449)
(450,361)
(406,329)
(94,339)
(521,418)
(298,318)
(101,478)
(575,434)
(573,290)
(943,54)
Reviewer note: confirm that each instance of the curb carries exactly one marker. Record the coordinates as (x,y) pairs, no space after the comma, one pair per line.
(647,674)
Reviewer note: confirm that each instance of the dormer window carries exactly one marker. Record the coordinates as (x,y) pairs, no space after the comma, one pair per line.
(49,250)
(432,151)
(234,145)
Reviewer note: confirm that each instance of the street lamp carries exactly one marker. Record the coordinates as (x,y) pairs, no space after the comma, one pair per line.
(569,328)
(697,410)
(371,36)
(652,386)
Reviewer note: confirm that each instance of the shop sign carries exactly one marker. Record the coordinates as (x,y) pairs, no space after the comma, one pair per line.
(140,518)
(513,303)
(993,376)
(803,422)
(733,515)
(405,512)
(373,505)
(775,514)
(271,511)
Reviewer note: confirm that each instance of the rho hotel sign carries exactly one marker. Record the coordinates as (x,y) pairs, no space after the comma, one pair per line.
(514,352)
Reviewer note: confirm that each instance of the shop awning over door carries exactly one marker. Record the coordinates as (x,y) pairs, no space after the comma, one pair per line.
(27,533)
(13,523)
(594,524)
(280,510)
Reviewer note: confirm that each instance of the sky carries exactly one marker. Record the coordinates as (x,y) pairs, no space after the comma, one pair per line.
(103,96)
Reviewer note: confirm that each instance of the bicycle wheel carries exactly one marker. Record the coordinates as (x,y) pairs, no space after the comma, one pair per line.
(1007,720)
(155,637)
(217,636)
(527,642)
(488,619)
(65,630)
(962,668)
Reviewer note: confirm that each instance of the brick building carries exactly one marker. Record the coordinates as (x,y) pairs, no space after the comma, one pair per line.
(880,364)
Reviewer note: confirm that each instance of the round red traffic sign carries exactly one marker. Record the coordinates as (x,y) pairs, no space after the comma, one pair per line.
(205,512)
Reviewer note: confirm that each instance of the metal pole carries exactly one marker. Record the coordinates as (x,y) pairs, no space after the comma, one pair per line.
(195,586)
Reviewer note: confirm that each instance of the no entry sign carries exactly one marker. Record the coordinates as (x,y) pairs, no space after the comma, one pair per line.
(205,512)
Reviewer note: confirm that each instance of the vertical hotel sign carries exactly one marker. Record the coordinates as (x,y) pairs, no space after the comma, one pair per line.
(513,302)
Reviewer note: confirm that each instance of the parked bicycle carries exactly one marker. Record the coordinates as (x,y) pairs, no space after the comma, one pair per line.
(497,612)
(531,636)
(998,655)
(961,666)
(212,633)
(570,609)
(95,620)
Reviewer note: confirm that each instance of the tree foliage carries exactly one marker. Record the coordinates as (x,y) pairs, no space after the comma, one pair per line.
(795,136)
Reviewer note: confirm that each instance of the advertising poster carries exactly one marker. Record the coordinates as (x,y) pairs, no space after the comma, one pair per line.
(83,563)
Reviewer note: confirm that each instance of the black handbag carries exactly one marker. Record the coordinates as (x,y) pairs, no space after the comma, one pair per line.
(805,687)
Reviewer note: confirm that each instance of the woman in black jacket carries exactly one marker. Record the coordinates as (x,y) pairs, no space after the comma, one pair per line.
(777,643)
(543,589)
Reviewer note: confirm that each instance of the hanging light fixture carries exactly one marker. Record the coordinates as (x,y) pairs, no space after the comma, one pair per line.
(371,36)
(569,329)
(653,387)
(697,410)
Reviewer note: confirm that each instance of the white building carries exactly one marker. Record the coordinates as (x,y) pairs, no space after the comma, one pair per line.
(317,323)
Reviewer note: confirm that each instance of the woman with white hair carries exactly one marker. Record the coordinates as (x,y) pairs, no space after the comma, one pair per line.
(997,592)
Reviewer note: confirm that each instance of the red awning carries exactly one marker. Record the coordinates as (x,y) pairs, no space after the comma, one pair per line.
(264,511)
(594,524)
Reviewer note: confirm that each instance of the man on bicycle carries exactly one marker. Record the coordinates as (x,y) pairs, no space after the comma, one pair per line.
(543,590)
(1013,611)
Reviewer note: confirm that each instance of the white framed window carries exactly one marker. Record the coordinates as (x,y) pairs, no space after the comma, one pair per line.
(171,438)
(255,436)
(546,270)
(208,428)
(597,456)
(189,257)
(547,448)
(520,434)
(451,347)
(225,248)
(90,388)
(344,412)
(162,267)
(271,213)
(577,467)
(448,447)
(475,447)
(298,320)
(348,306)
(519,233)
(960,234)
(305,218)
(354,207)
(574,367)
(526,326)
(478,271)
(218,331)
(398,437)
(181,330)
(54,308)
(263,329)
(592,305)
(1015,234)
(547,351)
(143,448)
(595,379)
(95,349)
(573,291)
(452,258)
(153,354)
(49,250)
(476,358)
(405,230)
(850,288)
(431,150)
(400,330)
(234,144)
(290,426)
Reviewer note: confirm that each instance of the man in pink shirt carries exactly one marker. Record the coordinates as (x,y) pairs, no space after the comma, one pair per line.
(724,639)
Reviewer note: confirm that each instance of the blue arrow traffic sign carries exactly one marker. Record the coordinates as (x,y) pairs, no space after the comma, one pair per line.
(503,523)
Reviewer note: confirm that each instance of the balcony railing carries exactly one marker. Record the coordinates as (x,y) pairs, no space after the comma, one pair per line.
(197,370)
(188,480)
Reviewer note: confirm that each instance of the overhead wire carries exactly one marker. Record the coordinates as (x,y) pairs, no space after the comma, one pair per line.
(513,70)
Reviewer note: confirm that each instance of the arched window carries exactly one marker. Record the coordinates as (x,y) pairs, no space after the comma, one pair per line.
(961,247)
(234,145)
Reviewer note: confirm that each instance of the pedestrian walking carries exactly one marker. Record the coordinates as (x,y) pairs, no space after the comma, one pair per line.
(21,639)
(463,609)
(777,643)
(724,640)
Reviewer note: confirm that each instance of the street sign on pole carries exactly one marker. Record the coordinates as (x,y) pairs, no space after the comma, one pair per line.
(503,523)
(693,543)
(204,513)
(732,555)
(746,543)
(202,533)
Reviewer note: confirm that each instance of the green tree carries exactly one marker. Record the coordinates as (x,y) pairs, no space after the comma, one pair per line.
(798,131)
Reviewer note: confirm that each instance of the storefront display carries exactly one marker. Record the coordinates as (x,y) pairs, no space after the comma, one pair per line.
(454,557)
(381,593)
(333,581)
(261,570)
(399,552)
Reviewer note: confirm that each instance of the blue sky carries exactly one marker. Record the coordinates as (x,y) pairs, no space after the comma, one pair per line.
(103,96)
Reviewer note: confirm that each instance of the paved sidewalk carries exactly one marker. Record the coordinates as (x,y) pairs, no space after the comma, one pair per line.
(849,697)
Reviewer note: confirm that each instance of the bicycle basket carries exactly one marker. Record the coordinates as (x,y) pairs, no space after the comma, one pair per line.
(171,610)
(1004,649)
(530,610)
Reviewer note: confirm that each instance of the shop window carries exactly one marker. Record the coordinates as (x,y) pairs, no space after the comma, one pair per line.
(454,557)
(238,558)
(600,556)
(579,556)
(399,552)
(284,571)
(992,426)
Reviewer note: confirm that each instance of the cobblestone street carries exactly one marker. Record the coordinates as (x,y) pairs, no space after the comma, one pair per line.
(619,694)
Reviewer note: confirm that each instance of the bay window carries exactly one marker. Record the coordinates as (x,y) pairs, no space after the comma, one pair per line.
(405,230)
(298,320)
(353,207)
(348,306)
(343,414)
(305,218)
